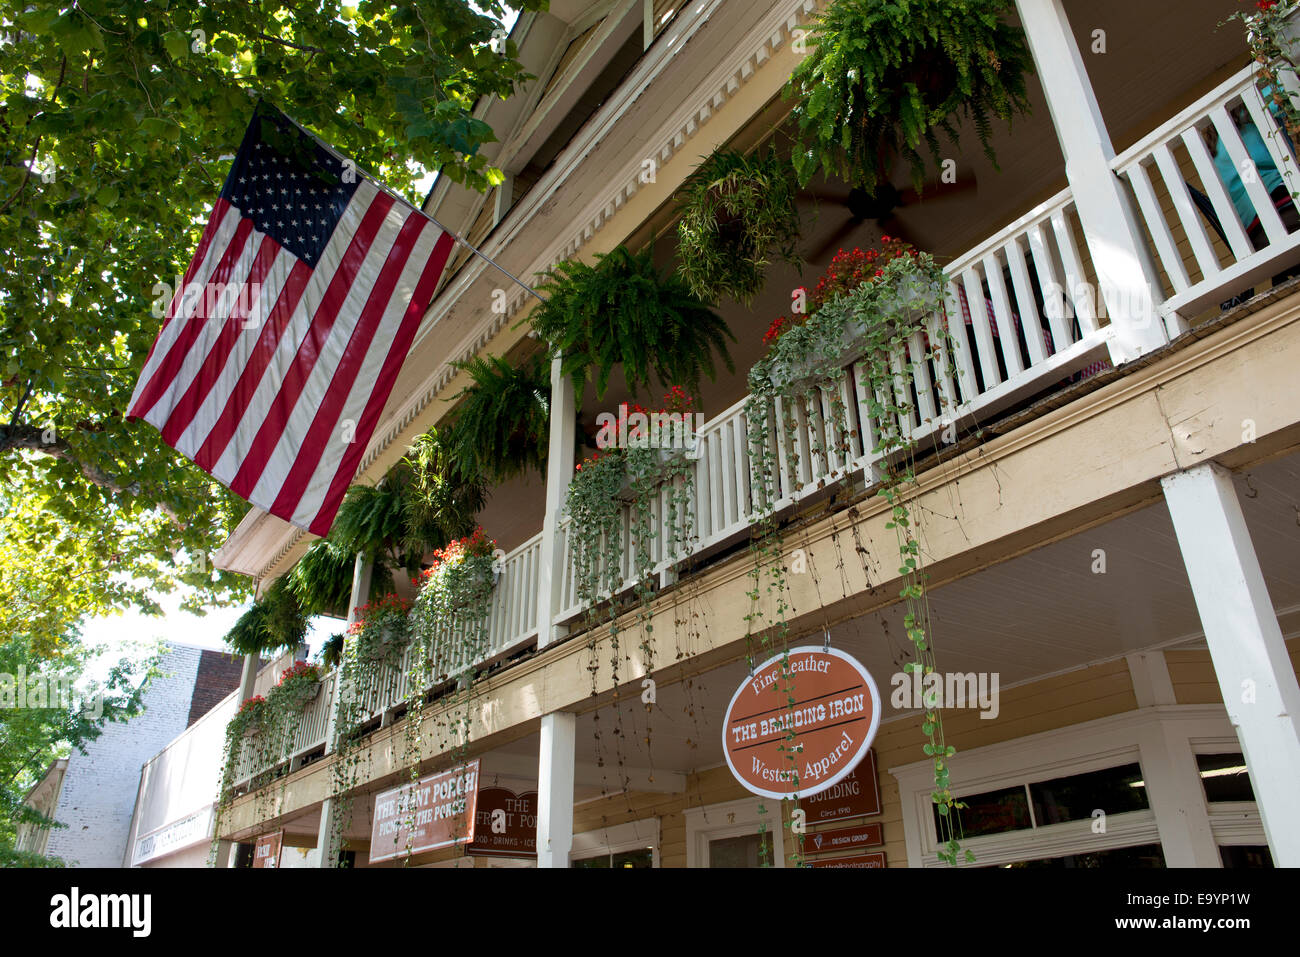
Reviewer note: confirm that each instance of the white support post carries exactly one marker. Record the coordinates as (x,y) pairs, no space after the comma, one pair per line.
(362,571)
(555,768)
(248,677)
(1250,658)
(1126,272)
(559,472)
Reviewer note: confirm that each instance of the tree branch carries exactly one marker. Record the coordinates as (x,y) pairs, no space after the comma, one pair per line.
(31,438)
(63,69)
(290,43)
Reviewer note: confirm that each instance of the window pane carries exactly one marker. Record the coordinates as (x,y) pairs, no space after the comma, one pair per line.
(1246,855)
(593,862)
(1114,791)
(740,851)
(1224,777)
(641,858)
(992,812)
(1145,855)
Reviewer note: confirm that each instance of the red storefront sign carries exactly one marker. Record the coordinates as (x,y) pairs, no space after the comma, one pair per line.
(441,807)
(266,850)
(845,839)
(818,705)
(506,824)
(858,860)
(857,795)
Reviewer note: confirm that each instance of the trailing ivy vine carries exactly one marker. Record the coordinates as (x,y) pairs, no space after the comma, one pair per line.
(260,738)
(867,311)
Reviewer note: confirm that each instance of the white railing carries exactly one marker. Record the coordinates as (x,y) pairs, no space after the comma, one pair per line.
(1207,255)
(512,621)
(309,736)
(1028,322)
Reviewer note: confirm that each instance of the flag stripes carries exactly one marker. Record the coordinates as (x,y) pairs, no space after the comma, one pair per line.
(276,356)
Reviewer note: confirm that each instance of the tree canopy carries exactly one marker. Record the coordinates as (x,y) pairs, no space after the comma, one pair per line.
(117,124)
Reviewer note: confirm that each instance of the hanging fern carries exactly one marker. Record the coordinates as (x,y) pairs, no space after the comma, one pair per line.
(275,621)
(331,651)
(322,579)
(735,213)
(503,424)
(888,77)
(442,497)
(621,311)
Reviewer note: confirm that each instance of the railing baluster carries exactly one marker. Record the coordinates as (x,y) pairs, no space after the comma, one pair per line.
(1077,287)
(1259,196)
(1228,220)
(1161,235)
(962,358)
(1187,212)
(979,322)
(1027,306)
(1053,290)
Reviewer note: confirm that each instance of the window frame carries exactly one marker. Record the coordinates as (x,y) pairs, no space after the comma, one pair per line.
(1131,737)
(705,824)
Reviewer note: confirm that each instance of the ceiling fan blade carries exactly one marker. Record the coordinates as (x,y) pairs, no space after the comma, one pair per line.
(815,196)
(937,190)
(837,237)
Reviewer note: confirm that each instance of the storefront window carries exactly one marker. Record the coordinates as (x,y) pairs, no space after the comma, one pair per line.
(1224,777)
(623,860)
(994,812)
(1246,855)
(1074,798)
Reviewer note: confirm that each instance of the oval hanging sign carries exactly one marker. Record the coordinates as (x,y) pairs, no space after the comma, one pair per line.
(829,702)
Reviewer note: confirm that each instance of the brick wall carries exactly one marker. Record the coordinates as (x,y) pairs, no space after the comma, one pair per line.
(99,786)
(217,676)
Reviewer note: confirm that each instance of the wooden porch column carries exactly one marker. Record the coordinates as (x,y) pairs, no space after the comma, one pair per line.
(1250,658)
(555,769)
(362,570)
(1126,272)
(559,472)
(247,677)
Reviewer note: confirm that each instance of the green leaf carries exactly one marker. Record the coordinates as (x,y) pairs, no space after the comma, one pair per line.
(177,45)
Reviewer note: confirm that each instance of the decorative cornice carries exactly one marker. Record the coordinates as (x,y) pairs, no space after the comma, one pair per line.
(761,43)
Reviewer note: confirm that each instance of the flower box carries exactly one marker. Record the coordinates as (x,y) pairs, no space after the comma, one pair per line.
(829,353)
(666,460)
(384,643)
(301,694)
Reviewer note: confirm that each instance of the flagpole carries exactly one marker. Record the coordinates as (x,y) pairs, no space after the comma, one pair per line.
(401,199)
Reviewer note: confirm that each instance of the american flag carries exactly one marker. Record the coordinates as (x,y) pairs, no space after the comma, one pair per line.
(280,348)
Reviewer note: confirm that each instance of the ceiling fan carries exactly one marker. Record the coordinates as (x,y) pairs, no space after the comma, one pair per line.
(881,207)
